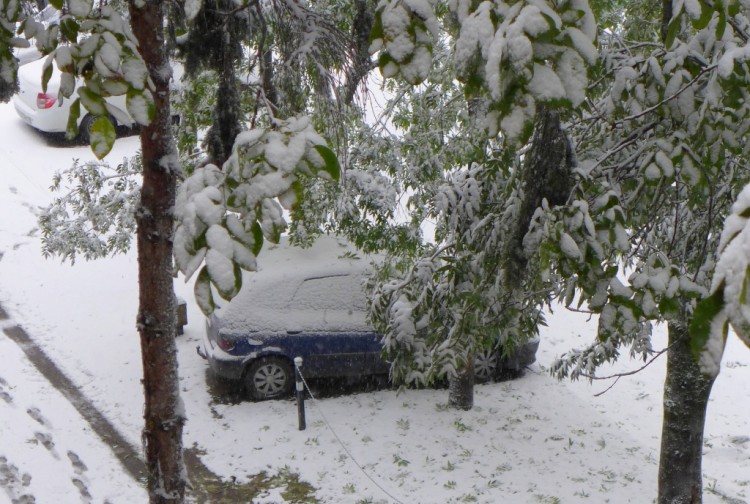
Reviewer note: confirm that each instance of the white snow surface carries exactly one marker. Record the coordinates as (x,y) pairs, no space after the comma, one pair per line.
(321,283)
(532,440)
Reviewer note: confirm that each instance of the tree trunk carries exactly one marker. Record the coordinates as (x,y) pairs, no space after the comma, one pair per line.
(461,387)
(686,393)
(547,174)
(163,412)
(226,117)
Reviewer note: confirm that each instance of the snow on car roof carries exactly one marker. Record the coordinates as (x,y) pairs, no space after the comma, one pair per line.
(274,298)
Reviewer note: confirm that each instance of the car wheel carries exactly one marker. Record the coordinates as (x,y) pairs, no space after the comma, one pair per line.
(84,129)
(485,365)
(269,378)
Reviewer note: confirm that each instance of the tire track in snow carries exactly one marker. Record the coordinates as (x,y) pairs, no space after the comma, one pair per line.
(121,448)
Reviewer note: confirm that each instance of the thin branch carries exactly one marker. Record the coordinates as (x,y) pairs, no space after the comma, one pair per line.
(665,100)
(617,376)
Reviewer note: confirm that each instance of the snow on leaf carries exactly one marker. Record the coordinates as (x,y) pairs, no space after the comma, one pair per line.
(244,256)
(221,271)
(667,168)
(134,72)
(141,107)
(67,84)
(102,136)
(63,57)
(80,8)
(218,239)
(569,247)
(582,44)
(531,21)
(107,60)
(708,331)
(192,8)
(546,85)
(206,206)
(203,294)
(93,101)
(284,152)
(187,262)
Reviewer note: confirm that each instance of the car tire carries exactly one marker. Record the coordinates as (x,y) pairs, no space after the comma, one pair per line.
(485,365)
(84,129)
(269,378)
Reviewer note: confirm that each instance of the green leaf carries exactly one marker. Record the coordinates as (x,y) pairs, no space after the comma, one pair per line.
(257,238)
(47,74)
(290,198)
(103,136)
(721,26)
(141,106)
(93,102)
(705,17)
(672,30)
(669,307)
(202,290)
(733,8)
(57,4)
(377,27)
(384,59)
(332,166)
(703,318)
(71,130)
(743,292)
(69,28)
(237,278)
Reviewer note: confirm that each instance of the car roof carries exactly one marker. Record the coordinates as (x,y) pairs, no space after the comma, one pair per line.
(283,268)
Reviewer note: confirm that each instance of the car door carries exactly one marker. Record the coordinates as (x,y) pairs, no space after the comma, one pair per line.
(337,339)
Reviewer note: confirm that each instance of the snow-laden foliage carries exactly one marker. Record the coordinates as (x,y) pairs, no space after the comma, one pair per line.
(10,13)
(223,216)
(95,215)
(659,156)
(437,305)
(728,302)
(515,54)
(661,159)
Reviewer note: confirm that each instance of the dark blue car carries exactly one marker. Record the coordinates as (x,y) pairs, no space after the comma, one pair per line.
(307,303)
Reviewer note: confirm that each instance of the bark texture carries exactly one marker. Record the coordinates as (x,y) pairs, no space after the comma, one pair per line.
(461,387)
(361,61)
(163,412)
(214,42)
(686,393)
(547,175)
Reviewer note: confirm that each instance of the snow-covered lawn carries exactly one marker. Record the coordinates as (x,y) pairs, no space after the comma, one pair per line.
(526,441)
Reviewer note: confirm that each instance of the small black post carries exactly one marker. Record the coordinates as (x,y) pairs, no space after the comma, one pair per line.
(300,393)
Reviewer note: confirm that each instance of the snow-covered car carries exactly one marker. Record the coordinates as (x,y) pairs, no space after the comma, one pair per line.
(308,303)
(47,112)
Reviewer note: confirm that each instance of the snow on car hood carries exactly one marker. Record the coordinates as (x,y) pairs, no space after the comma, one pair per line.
(301,290)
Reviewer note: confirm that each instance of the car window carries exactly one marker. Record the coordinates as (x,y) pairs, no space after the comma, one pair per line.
(336,292)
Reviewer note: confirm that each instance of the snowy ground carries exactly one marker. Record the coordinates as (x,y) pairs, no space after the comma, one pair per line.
(526,441)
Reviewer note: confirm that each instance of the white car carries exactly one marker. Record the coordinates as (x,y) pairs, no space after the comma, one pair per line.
(47,112)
